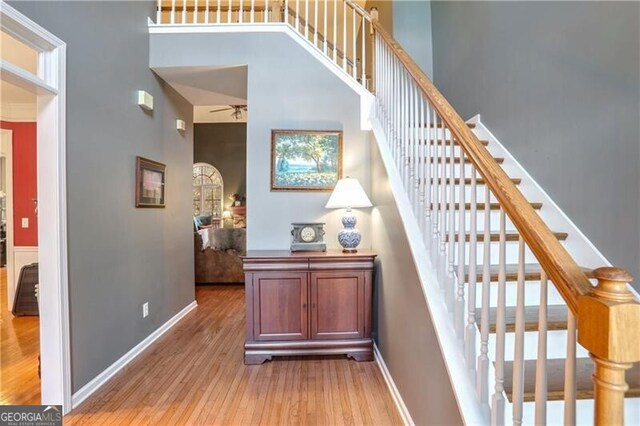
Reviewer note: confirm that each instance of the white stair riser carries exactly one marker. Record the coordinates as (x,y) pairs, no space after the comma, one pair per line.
(531,294)
(556,345)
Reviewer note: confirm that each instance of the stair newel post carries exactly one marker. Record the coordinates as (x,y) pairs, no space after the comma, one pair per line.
(608,323)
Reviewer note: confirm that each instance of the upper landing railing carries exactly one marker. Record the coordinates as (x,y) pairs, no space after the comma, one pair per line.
(340,29)
(469,212)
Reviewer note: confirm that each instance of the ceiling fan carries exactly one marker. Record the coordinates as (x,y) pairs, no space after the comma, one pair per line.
(237,110)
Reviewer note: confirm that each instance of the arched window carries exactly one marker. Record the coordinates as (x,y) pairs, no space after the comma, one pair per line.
(207,191)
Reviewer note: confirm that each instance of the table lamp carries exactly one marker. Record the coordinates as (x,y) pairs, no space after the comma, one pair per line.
(348,194)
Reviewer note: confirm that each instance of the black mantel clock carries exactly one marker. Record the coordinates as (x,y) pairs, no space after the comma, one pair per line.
(307,236)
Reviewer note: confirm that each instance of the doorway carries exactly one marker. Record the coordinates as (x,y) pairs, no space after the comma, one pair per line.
(43,76)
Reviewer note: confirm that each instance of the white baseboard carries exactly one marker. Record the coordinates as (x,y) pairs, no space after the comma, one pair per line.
(95,384)
(395,393)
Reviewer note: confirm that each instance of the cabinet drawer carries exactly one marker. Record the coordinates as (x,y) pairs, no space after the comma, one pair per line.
(280,306)
(337,304)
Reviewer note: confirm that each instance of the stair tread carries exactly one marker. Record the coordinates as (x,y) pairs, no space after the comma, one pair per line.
(509,236)
(456,160)
(480,206)
(432,125)
(555,379)
(556,318)
(455,141)
(532,272)
(467,181)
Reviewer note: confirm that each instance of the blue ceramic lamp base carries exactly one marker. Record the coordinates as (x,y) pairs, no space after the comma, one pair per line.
(349,237)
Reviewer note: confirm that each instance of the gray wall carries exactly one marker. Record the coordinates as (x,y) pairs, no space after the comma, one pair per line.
(409,22)
(287,89)
(402,325)
(412,29)
(119,256)
(559,84)
(224,146)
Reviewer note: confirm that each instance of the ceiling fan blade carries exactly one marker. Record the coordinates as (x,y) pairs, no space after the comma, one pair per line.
(220,110)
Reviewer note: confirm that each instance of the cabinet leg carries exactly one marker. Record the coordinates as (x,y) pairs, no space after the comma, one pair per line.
(256,359)
(361,356)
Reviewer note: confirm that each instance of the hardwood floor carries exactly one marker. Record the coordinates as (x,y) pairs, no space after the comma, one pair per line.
(195,375)
(19,348)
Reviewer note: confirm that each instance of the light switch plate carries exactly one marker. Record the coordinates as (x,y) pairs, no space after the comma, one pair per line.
(25,222)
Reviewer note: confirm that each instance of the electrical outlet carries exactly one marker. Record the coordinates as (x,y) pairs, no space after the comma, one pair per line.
(145,309)
(25,222)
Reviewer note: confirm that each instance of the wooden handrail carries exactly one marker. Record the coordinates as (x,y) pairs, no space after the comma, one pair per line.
(565,273)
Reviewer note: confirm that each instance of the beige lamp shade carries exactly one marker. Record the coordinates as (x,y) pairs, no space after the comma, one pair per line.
(226,214)
(348,193)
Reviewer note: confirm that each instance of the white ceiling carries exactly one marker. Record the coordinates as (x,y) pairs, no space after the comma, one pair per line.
(208,85)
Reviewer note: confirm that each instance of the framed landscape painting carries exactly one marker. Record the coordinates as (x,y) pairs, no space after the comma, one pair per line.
(150,183)
(305,160)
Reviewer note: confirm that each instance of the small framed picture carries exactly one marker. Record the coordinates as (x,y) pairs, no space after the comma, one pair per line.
(305,160)
(150,183)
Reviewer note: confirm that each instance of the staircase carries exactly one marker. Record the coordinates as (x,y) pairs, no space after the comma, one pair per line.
(529,334)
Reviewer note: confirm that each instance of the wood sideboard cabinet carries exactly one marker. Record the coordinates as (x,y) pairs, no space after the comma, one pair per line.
(308,303)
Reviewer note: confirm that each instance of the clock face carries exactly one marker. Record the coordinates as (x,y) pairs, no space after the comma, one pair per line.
(307,234)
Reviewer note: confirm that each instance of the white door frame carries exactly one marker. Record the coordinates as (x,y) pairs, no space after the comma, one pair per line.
(8,170)
(50,86)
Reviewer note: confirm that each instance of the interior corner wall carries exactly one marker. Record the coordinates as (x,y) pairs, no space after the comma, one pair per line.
(402,324)
(25,182)
(409,22)
(224,146)
(288,88)
(119,256)
(558,83)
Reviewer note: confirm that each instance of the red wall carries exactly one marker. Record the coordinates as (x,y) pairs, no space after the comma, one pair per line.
(24,181)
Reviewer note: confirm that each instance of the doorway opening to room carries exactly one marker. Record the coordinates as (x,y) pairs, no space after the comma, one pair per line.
(219,201)
(19,313)
(34,348)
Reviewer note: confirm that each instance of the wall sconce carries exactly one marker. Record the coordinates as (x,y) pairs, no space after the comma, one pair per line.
(144,100)
(181,125)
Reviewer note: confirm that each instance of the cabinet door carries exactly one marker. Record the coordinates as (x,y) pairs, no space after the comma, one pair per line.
(280,306)
(337,304)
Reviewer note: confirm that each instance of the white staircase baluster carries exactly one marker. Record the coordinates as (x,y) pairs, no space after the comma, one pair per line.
(518,360)
(252,12)
(442,220)
(451,213)
(315,23)
(159,12)
(428,174)
(207,10)
(422,174)
(498,400)
(218,13)
(172,18)
(408,184)
(335,34)
(482,379)
(266,10)
(541,362)
(285,12)
(344,36)
(416,151)
(230,12)
(470,331)
(241,12)
(325,35)
(436,198)
(458,316)
(184,11)
(570,373)
(363,63)
(195,11)
(354,39)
